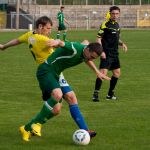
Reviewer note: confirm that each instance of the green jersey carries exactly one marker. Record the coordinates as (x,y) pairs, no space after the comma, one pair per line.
(69,55)
(60,17)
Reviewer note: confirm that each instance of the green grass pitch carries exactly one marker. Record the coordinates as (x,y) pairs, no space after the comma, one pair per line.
(121,125)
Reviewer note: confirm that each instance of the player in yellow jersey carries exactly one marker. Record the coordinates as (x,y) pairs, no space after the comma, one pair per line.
(37,42)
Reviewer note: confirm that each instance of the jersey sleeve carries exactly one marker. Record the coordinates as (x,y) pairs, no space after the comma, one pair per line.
(73,46)
(101,30)
(58,15)
(68,45)
(24,38)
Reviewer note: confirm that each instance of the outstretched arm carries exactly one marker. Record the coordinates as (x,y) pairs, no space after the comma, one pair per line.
(11,43)
(55,43)
(98,73)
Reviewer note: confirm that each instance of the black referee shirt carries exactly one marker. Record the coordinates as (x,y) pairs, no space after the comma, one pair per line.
(109,32)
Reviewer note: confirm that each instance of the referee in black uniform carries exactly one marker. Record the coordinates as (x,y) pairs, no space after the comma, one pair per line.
(108,36)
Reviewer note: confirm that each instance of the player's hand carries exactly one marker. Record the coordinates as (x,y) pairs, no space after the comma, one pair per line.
(102,76)
(103,55)
(124,47)
(52,43)
(55,43)
(2,47)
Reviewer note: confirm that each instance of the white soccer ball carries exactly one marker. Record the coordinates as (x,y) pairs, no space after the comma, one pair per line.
(81,137)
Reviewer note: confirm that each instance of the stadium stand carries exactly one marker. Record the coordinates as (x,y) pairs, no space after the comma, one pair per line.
(80,16)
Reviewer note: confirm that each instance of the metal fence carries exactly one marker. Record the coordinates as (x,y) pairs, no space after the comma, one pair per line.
(79,17)
(81,20)
(82,2)
(93,2)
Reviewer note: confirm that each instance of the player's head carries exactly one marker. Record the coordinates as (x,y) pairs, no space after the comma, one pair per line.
(92,51)
(62,8)
(44,25)
(114,13)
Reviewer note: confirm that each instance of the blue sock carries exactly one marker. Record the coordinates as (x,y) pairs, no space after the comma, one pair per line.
(77,116)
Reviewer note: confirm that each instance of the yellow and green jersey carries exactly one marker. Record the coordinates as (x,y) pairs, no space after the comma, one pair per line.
(37,45)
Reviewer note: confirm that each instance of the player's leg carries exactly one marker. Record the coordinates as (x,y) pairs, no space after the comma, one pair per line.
(64,32)
(64,35)
(52,94)
(58,34)
(71,99)
(113,82)
(59,31)
(98,84)
(75,112)
(50,108)
(104,65)
(115,67)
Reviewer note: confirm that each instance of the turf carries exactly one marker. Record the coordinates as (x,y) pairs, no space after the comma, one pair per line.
(121,125)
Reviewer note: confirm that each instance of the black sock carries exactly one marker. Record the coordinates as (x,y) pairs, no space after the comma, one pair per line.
(113,83)
(98,84)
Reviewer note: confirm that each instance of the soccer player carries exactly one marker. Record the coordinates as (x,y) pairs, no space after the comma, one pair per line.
(36,41)
(71,54)
(61,25)
(108,37)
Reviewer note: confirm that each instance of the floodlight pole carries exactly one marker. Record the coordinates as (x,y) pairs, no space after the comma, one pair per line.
(113,2)
(17,14)
(60,2)
(86,2)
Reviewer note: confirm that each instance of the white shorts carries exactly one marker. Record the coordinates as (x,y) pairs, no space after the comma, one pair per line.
(63,84)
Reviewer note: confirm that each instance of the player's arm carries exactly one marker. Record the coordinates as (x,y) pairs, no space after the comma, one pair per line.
(66,21)
(99,38)
(22,39)
(100,33)
(55,43)
(96,70)
(11,43)
(85,42)
(123,45)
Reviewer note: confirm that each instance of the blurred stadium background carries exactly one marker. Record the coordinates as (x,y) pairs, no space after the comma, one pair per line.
(82,14)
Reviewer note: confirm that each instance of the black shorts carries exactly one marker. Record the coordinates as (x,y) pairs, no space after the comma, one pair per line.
(109,63)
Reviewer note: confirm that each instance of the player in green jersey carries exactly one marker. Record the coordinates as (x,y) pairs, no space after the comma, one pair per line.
(36,41)
(61,25)
(71,54)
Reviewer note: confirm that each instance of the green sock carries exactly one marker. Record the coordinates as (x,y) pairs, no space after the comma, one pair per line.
(44,115)
(64,36)
(58,35)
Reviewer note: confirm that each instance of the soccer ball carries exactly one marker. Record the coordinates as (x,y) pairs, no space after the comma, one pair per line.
(81,137)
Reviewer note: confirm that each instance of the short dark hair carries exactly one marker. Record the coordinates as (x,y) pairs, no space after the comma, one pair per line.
(95,47)
(43,21)
(114,8)
(62,7)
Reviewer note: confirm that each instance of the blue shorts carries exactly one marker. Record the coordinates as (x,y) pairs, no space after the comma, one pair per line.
(64,85)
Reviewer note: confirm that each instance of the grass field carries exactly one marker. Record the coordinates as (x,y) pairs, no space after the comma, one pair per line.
(121,125)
